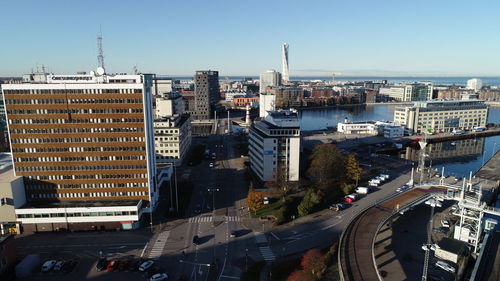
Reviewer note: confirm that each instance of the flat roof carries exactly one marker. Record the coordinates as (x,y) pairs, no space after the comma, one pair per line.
(80,204)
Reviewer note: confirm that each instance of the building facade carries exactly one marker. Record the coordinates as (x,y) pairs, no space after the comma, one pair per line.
(442,115)
(408,92)
(270,78)
(474,84)
(274,146)
(83,138)
(284,62)
(267,102)
(169,104)
(206,94)
(12,196)
(172,139)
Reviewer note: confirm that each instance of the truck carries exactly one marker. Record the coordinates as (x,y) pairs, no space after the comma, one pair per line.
(26,266)
(362,190)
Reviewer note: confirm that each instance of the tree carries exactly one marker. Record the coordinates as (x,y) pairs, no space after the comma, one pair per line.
(314,263)
(300,275)
(255,200)
(310,200)
(352,168)
(327,166)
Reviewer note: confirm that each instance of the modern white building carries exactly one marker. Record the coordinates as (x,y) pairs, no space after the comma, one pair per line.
(284,62)
(172,139)
(442,115)
(162,85)
(267,102)
(169,104)
(269,78)
(382,128)
(274,146)
(475,84)
(408,92)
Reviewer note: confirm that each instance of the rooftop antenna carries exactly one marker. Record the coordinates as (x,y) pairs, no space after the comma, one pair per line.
(100,55)
(136,70)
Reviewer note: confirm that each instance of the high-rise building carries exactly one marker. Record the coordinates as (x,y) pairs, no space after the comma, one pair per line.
(274,146)
(270,78)
(284,58)
(474,84)
(85,147)
(206,94)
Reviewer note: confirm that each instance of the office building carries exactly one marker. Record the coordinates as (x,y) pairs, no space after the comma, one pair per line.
(12,195)
(407,92)
(267,102)
(85,147)
(169,104)
(442,115)
(162,85)
(270,78)
(206,93)
(172,139)
(474,84)
(284,58)
(274,146)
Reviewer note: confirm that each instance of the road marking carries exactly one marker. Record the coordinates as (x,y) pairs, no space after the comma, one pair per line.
(330,226)
(200,219)
(230,277)
(233,218)
(159,244)
(275,236)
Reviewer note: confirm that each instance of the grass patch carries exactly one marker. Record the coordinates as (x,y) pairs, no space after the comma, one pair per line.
(253,272)
(269,210)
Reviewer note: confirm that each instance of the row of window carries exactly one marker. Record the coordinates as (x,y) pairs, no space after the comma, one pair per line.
(76,121)
(120,140)
(77,214)
(78,149)
(88,177)
(51,186)
(86,158)
(75,111)
(71,91)
(77,130)
(80,168)
(71,101)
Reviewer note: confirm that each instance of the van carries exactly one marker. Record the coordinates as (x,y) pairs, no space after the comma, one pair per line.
(48,265)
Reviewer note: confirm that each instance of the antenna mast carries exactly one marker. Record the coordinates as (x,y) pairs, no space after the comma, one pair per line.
(100,55)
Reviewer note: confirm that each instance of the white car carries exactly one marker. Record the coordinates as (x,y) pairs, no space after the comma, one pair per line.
(211,165)
(145,265)
(445,266)
(433,247)
(445,223)
(158,277)
(425,247)
(48,265)
(58,266)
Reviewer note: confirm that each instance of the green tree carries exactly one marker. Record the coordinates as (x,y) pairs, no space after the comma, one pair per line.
(353,171)
(310,200)
(326,166)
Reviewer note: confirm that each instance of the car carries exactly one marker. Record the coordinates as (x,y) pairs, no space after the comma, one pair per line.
(158,277)
(435,277)
(48,265)
(101,264)
(337,207)
(433,247)
(440,230)
(145,265)
(58,266)
(445,266)
(112,265)
(445,223)
(196,240)
(211,165)
(347,199)
(234,233)
(425,247)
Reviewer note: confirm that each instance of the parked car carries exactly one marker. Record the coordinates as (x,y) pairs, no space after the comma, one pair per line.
(354,196)
(337,207)
(101,264)
(58,266)
(145,265)
(48,265)
(234,233)
(159,277)
(112,265)
(362,190)
(445,223)
(385,176)
(433,247)
(425,247)
(347,199)
(211,165)
(403,188)
(445,266)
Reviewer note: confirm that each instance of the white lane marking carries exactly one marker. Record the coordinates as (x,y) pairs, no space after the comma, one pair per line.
(159,244)
(275,236)
(230,277)
(330,226)
(222,271)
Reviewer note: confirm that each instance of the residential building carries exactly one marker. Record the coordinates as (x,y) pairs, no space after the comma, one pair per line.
(162,85)
(85,147)
(267,102)
(206,94)
(287,97)
(172,139)
(408,92)
(12,195)
(274,146)
(244,101)
(169,104)
(8,253)
(284,62)
(270,78)
(474,84)
(442,115)
(231,94)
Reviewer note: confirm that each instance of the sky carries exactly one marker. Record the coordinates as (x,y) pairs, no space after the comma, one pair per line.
(240,37)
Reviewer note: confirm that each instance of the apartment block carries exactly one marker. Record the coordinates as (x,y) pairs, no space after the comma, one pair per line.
(172,139)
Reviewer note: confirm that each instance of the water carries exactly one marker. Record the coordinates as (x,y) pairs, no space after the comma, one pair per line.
(458,158)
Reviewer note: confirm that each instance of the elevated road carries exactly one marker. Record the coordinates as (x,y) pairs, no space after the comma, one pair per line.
(356,261)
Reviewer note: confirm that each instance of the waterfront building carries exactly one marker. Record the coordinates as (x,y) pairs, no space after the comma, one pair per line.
(284,62)
(270,78)
(267,102)
(274,146)
(85,147)
(408,92)
(382,128)
(206,94)
(474,84)
(169,104)
(244,101)
(172,139)
(442,115)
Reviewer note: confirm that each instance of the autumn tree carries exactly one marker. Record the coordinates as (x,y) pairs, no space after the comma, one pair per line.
(353,171)
(314,263)
(255,200)
(300,275)
(327,166)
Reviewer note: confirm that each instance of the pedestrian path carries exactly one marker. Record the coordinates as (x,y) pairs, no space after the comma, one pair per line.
(267,253)
(200,219)
(159,244)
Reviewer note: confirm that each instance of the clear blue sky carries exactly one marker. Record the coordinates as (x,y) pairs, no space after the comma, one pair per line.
(238,37)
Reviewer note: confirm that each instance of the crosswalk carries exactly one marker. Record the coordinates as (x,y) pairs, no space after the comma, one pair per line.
(267,253)
(159,244)
(210,219)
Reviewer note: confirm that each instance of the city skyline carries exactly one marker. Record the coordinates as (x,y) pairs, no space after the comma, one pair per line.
(429,39)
